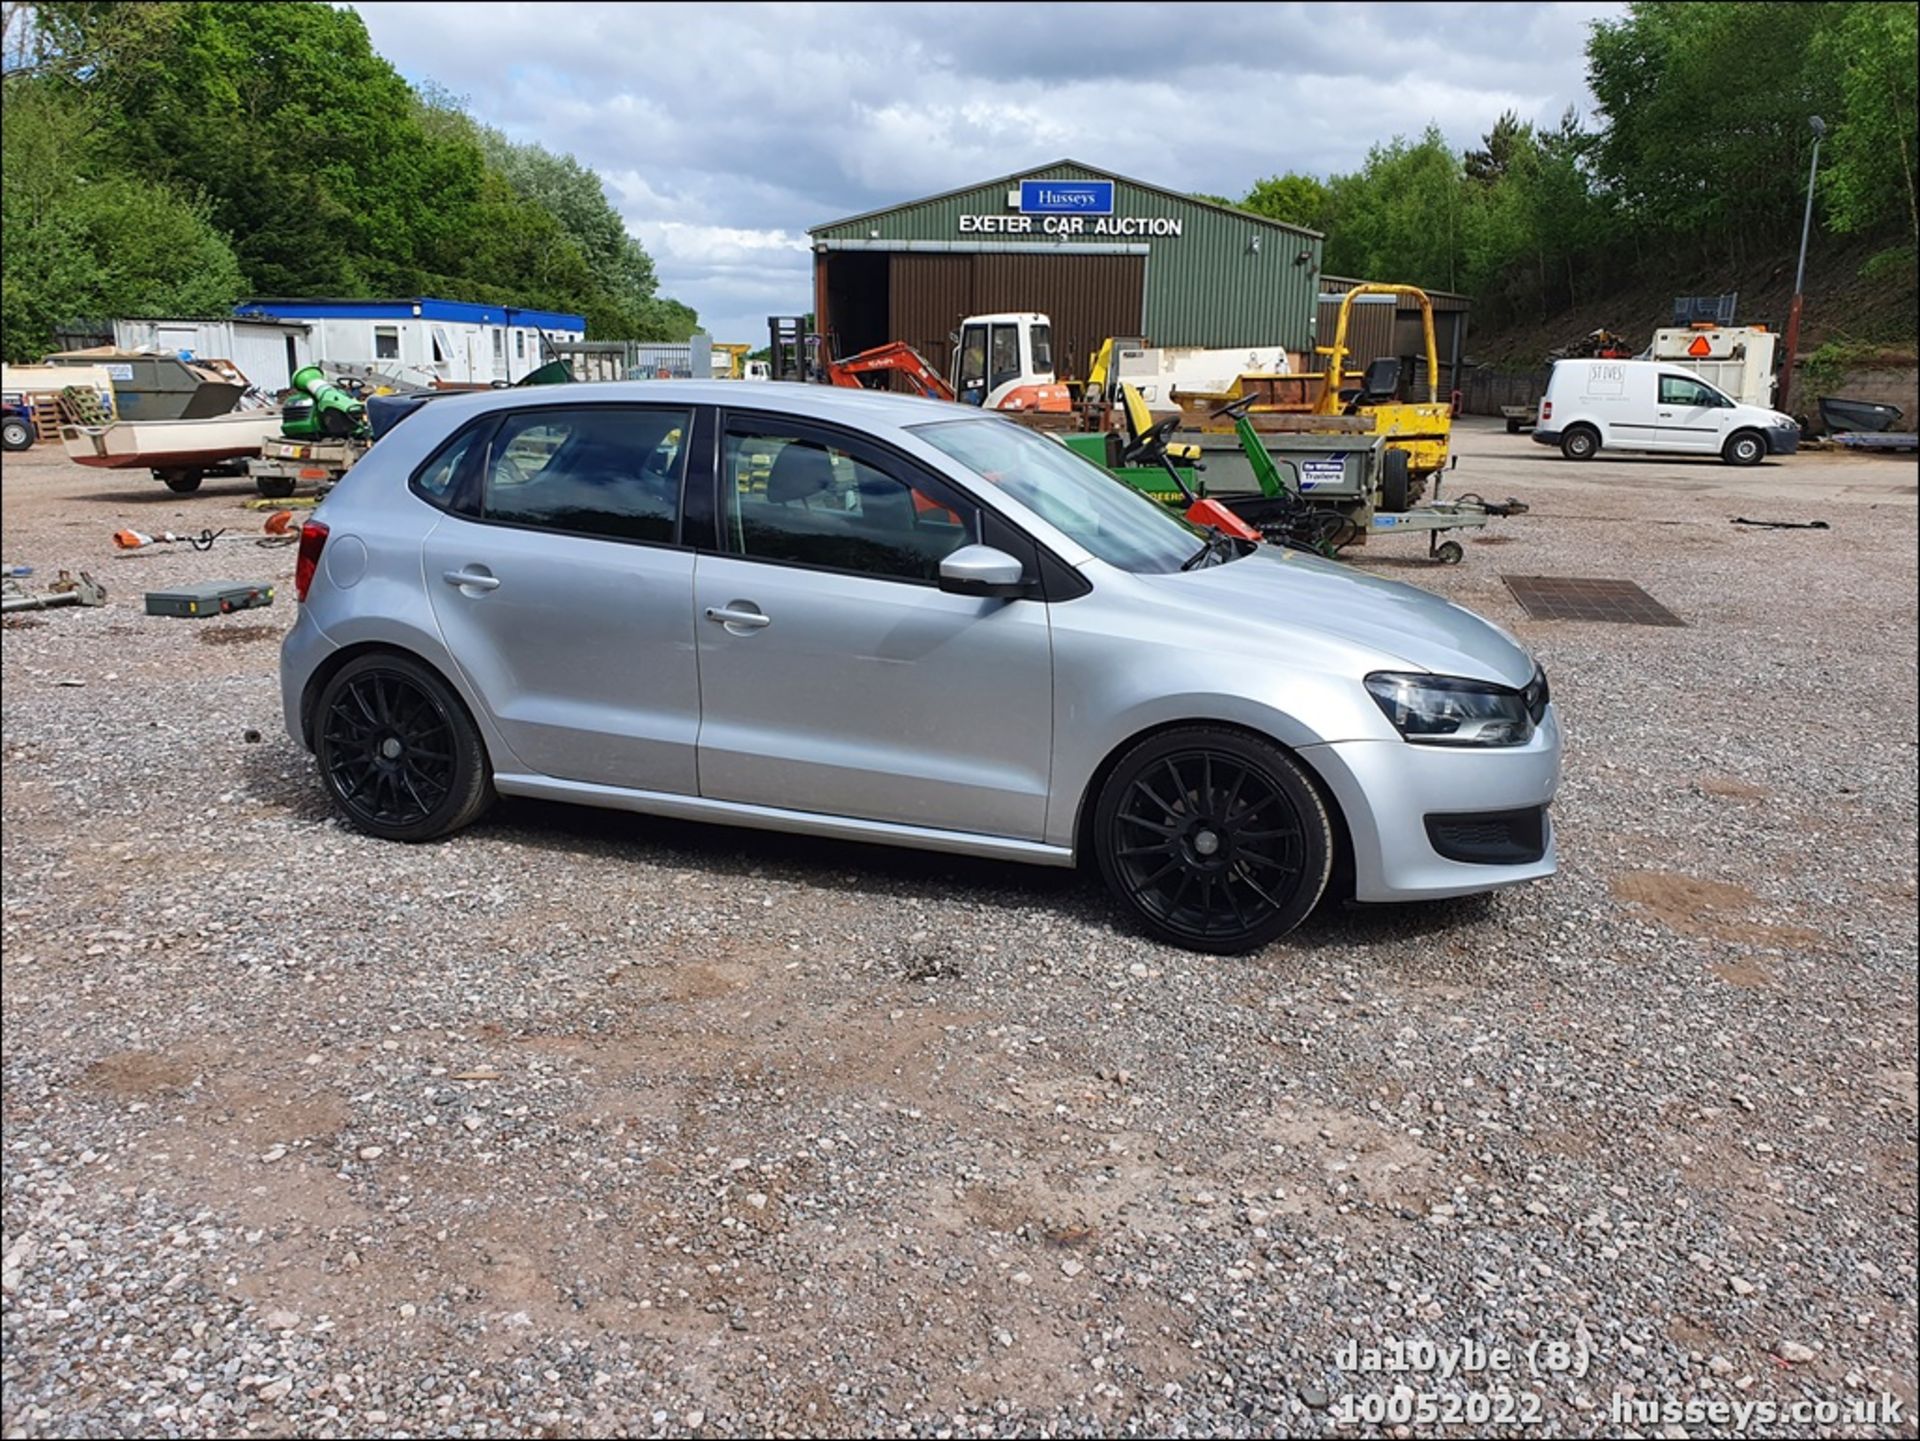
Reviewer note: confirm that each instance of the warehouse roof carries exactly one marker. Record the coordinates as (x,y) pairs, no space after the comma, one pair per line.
(1035,171)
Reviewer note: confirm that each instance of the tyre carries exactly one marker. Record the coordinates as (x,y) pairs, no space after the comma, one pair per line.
(1513,425)
(1213,839)
(398,752)
(1396,486)
(1449,552)
(1744,447)
(16,435)
(1580,443)
(180,482)
(274,487)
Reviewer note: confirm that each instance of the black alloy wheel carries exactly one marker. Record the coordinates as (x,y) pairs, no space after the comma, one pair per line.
(1214,838)
(397,751)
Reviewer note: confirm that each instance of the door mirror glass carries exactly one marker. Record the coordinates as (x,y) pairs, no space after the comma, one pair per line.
(982,570)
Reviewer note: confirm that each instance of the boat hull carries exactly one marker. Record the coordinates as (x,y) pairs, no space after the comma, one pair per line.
(169,444)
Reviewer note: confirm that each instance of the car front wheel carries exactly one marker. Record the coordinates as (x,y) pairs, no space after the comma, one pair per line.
(398,753)
(1214,839)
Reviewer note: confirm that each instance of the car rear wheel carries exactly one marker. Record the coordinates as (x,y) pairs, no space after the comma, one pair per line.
(1214,839)
(398,752)
(1580,443)
(1744,448)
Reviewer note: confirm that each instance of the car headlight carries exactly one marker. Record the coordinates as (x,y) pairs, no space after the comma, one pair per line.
(1452,711)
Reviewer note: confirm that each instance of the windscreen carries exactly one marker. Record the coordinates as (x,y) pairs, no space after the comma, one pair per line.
(1106,515)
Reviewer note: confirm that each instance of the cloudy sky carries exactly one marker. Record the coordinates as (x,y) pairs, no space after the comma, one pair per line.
(724,131)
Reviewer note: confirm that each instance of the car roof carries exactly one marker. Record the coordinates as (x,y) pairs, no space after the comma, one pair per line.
(868,409)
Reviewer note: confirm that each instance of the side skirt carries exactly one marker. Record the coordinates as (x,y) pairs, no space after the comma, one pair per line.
(772,818)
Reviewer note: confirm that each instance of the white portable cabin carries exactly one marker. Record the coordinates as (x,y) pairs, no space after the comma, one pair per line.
(265,350)
(457,342)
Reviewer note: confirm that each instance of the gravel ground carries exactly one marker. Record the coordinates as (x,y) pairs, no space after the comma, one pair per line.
(580,1123)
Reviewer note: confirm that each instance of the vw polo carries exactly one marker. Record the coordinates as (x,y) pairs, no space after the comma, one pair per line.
(879,618)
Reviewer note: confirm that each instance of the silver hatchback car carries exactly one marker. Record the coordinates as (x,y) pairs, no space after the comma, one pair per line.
(876,617)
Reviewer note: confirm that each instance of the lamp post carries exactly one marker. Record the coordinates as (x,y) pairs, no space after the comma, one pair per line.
(1800,274)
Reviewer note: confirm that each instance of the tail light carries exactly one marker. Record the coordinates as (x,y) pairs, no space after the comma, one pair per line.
(313,540)
(1546,410)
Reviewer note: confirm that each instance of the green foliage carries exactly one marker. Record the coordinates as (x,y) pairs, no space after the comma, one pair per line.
(83,239)
(279,127)
(1870,166)
(1698,162)
(1295,199)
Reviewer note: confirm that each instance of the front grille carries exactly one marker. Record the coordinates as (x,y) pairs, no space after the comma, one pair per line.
(1491,838)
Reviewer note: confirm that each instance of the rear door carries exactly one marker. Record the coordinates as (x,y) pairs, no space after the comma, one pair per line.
(835,676)
(563,592)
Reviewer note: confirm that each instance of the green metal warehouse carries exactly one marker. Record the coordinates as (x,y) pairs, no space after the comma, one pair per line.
(1100,254)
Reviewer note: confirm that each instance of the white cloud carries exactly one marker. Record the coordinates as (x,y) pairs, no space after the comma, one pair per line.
(723,132)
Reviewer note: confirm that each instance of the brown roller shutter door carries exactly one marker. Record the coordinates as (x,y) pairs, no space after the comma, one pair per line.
(1087,297)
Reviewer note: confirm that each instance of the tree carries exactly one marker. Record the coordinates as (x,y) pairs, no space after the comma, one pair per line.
(1509,139)
(1868,180)
(1292,198)
(83,239)
(281,128)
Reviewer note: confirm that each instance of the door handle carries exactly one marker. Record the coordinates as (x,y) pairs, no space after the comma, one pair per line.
(478,580)
(732,615)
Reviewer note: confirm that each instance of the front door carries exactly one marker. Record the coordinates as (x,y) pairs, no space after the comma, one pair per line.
(560,586)
(835,676)
(1690,416)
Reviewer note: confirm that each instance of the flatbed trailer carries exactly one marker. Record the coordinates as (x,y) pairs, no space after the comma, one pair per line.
(284,464)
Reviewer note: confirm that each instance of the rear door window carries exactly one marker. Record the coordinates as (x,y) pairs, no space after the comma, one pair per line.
(606,471)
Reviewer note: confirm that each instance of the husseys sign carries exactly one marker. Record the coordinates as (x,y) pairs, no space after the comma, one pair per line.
(1067,207)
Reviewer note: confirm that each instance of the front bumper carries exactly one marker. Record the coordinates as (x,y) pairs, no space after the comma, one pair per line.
(1783,440)
(1386,790)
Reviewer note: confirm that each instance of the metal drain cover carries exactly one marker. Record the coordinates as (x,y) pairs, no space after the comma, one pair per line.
(1573,597)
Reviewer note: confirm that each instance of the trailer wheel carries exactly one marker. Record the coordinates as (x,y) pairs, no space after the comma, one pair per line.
(180,482)
(17,435)
(274,487)
(1513,425)
(1396,486)
(1449,552)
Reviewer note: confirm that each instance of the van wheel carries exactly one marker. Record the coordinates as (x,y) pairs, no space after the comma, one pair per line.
(1744,447)
(1214,839)
(1396,485)
(1580,443)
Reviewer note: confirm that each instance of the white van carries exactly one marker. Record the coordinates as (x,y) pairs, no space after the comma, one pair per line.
(1653,405)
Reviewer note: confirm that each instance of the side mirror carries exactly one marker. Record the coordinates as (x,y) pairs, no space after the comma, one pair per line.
(983,571)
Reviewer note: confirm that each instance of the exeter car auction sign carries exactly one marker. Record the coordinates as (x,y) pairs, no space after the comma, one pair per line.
(1068,207)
